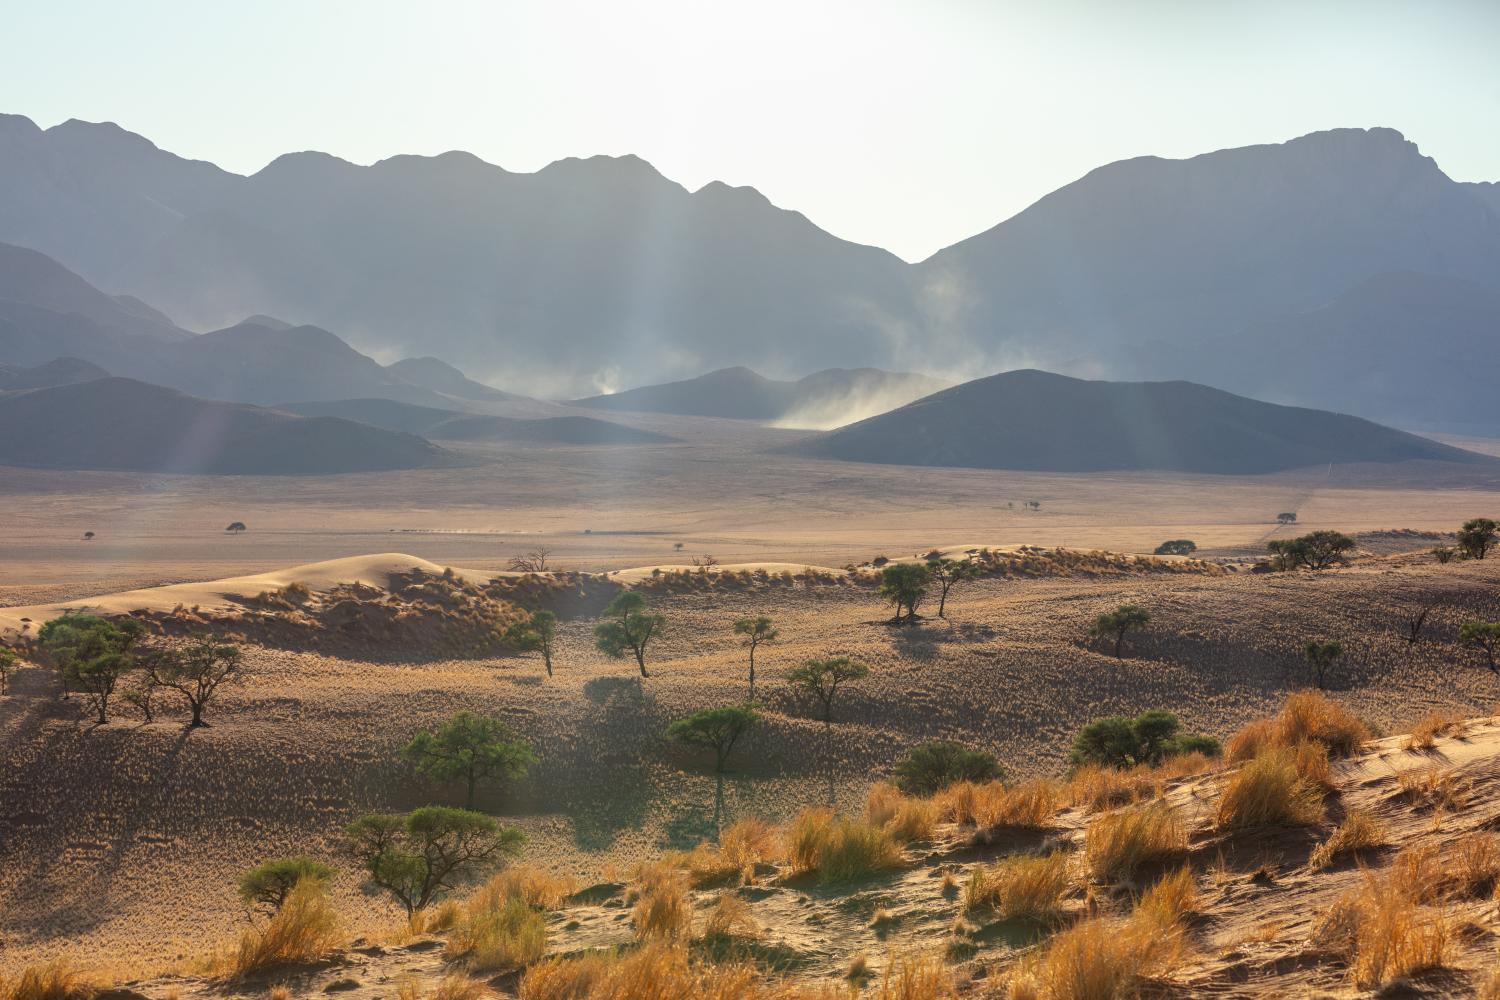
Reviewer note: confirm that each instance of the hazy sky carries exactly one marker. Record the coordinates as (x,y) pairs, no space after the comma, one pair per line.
(909,126)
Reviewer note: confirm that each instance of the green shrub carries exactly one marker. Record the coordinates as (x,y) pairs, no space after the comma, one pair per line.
(1149,738)
(931,767)
(269,883)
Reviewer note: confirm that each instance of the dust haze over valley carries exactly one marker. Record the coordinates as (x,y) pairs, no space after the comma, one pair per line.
(549,572)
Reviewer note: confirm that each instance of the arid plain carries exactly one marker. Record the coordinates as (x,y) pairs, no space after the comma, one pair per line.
(310,739)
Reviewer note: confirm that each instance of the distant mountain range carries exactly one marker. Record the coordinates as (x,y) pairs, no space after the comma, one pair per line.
(823,399)
(446,425)
(119,423)
(601,270)
(1031,420)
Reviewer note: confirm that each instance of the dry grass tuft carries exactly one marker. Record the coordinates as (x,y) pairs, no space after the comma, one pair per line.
(663,910)
(1021,887)
(1384,933)
(1273,789)
(1170,899)
(1098,959)
(534,886)
(838,848)
(1097,787)
(1118,844)
(1476,864)
(1415,872)
(305,929)
(1029,805)
(1434,788)
(1359,831)
(456,986)
(741,846)
(1425,731)
(56,980)
(497,936)
(1306,717)
(905,818)
(730,918)
(661,972)
(922,977)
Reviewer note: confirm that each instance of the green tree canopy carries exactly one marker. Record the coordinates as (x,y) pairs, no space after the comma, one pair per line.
(756,631)
(1321,656)
(1317,550)
(270,882)
(716,729)
(821,679)
(92,654)
(419,855)
(948,572)
(470,748)
(1477,537)
(905,585)
(930,767)
(195,670)
(1149,738)
(537,632)
(1177,547)
(1485,635)
(7,667)
(631,629)
(1125,618)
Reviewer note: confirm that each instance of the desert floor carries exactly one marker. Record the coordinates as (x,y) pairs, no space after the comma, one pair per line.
(125,840)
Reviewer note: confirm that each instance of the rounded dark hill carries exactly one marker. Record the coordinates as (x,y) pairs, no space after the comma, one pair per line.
(1038,421)
(119,423)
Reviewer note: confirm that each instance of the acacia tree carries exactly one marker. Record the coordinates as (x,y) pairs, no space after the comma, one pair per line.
(92,654)
(470,748)
(1321,656)
(534,561)
(421,854)
(905,585)
(1317,550)
(195,671)
(7,667)
(235,527)
(1125,618)
(1287,517)
(1485,635)
(1477,537)
(716,729)
(947,572)
(756,631)
(538,632)
(632,629)
(821,679)
(269,883)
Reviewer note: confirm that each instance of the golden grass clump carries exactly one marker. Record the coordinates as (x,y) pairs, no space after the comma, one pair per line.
(662,907)
(838,848)
(1415,872)
(1384,933)
(906,818)
(1118,844)
(499,936)
(536,887)
(1021,887)
(1170,898)
(1434,788)
(1426,730)
(1272,789)
(54,980)
(1098,959)
(921,977)
(741,846)
(1097,786)
(1359,831)
(1306,717)
(1029,805)
(730,918)
(659,971)
(1476,864)
(305,929)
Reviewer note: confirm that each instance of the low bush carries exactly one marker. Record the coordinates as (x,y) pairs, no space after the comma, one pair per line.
(305,929)
(269,883)
(1149,738)
(1119,844)
(931,767)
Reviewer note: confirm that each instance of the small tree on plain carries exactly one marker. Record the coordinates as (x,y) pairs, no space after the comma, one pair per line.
(1414,623)
(539,632)
(534,561)
(905,585)
(947,573)
(716,729)
(7,667)
(821,679)
(92,654)
(1444,554)
(1477,537)
(1177,547)
(88,536)
(631,630)
(1287,517)
(1125,618)
(268,884)
(1485,635)
(470,748)
(930,767)
(236,527)
(422,854)
(1317,550)
(756,631)
(1149,738)
(1321,656)
(196,672)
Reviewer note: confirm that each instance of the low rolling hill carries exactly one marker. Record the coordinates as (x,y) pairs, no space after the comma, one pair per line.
(1032,420)
(59,371)
(119,423)
(449,425)
(823,399)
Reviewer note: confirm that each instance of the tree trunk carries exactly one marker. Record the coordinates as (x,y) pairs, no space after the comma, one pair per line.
(197,715)
(547,660)
(469,797)
(640,659)
(1119,643)
(752,675)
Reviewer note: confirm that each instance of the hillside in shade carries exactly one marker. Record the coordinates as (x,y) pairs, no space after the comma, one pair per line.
(449,425)
(1032,420)
(119,423)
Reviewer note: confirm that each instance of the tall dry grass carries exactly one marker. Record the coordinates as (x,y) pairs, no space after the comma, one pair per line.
(305,929)
(1029,887)
(1119,844)
(839,848)
(54,980)
(1097,786)
(1426,730)
(1280,786)
(1384,933)
(663,910)
(1029,805)
(1305,717)
(741,847)
(1475,864)
(1359,831)
(906,818)
(658,971)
